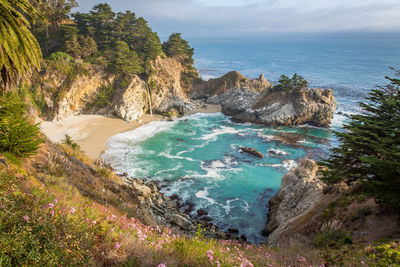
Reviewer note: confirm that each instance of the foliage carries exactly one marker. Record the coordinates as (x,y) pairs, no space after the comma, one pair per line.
(124,60)
(385,255)
(285,83)
(332,238)
(370,146)
(179,48)
(34,234)
(19,50)
(81,46)
(68,141)
(61,56)
(52,30)
(18,135)
(104,96)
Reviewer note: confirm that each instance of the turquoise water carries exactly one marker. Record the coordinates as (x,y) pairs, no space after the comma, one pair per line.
(198,158)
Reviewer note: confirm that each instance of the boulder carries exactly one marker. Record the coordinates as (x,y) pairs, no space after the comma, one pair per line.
(141,190)
(252,151)
(182,222)
(202,212)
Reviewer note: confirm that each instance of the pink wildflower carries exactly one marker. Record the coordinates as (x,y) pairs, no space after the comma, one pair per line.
(112,230)
(210,255)
(56,201)
(72,210)
(218,264)
(26,218)
(52,213)
(162,264)
(51,205)
(117,246)
(267,255)
(362,262)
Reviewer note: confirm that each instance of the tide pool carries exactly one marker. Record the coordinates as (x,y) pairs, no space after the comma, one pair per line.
(199,158)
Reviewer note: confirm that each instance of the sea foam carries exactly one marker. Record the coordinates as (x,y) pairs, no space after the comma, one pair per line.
(118,145)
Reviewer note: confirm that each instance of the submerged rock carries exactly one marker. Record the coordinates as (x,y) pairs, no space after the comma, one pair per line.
(252,151)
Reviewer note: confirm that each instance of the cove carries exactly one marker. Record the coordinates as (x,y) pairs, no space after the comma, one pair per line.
(198,158)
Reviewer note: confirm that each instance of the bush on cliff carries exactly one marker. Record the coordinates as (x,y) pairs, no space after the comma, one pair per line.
(370,146)
(18,135)
(179,48)
(285,83)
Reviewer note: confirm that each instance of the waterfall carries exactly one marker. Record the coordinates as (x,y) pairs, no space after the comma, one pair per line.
(149,97)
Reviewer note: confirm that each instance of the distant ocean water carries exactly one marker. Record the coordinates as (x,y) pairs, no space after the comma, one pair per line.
(349,64)
(207,167)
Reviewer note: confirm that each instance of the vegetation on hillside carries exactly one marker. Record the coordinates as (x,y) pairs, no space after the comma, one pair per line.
(369,151)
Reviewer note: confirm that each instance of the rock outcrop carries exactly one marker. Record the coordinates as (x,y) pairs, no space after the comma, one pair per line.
(300,191)
(231,80)
(254,100)
(310,106)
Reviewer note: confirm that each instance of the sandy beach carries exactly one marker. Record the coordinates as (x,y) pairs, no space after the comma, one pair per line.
(91,132)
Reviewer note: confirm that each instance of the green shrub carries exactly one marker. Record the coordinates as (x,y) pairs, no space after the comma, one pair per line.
(61,56)
(333,238)
(104,96)
(68,141)
(18,135)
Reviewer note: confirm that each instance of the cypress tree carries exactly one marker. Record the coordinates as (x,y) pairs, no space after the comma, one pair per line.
(370,146)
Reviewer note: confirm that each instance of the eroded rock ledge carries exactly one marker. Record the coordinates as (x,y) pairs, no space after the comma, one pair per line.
(254,100)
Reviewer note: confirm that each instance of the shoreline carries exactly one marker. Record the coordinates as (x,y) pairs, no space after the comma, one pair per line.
(91,132)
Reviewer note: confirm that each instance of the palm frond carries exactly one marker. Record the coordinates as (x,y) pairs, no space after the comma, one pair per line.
(19,49)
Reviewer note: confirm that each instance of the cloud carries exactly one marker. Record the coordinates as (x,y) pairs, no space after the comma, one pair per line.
(247,17)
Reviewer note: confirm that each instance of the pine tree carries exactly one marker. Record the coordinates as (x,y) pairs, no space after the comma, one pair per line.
(18,135)
(124,60)
(370,146)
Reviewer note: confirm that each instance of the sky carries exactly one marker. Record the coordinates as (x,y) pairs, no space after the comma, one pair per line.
(257,17)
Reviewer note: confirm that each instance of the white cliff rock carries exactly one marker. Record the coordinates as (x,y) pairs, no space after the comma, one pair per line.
(300,190)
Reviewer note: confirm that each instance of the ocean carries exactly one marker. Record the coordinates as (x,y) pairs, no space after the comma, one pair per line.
(198,157)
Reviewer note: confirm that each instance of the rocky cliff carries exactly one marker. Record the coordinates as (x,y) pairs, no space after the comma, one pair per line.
(306,211)
(300,190)
(231,80)
(254,100)
(64,89)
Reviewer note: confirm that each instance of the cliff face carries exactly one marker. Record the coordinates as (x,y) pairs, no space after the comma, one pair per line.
(305,208)
(167,91)
(66,92)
